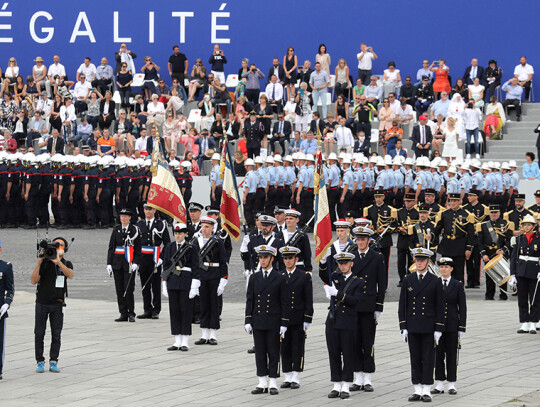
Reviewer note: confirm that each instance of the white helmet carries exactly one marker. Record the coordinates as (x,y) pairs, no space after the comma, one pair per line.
(452,169)
(140,162)
(485,166)
(301,156)
(346,160)
(216,156)
(512,163)
(148,162)
(120,162)
(288,158)
(249,161)
(174,164)
(258,160)
(387,160)
(309,157)
(269,160)
(131,162)
(295,156)
(505,166)
(186,165)
(408,161)
(332,156)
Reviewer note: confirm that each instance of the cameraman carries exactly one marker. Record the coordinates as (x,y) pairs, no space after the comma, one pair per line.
(7,290)
(253,85)
(50,276)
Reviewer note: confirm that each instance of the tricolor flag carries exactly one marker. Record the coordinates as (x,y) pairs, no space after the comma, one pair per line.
(157,252)
(164,193)
(128,253)
(323,224)
(230,200)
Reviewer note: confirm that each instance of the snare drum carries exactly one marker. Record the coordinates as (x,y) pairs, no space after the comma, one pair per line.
(498,269)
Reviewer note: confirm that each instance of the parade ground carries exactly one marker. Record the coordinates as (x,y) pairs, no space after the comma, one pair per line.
(120,364)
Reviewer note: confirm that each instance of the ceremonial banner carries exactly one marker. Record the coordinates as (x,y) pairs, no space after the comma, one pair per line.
(230,200)
(323,224)
(164,193)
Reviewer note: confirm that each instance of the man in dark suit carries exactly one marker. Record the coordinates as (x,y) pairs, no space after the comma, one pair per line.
(267,318)
(369,265)
(304,72)
(281,132)
(205,142)
(473,71)
(151,141)
(253,132)
(276,69)
(55,144)
(422,138)
(456,318)
(232,128)
(316,124)
(421,320)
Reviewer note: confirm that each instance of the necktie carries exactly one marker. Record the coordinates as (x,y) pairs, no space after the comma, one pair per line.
(280,128)
(362,256)
(445,285)
(281,228)
(53,150)
(148,224)
(124,230)
(274,92)
(265,275)
(420,277)
(423,140)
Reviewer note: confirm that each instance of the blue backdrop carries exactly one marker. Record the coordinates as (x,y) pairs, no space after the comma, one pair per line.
(404,31)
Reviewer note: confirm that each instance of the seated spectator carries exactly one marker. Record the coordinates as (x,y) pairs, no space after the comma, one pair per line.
(55,69)
(294,144)
(394,103)
(10,142)
(31,90)
(156,114)
(424,71)
(35,127)
(361,145)
(472,72)
(104,76)
(141,109)
(92,141)
(398,150)
(141,143)
(150,70)
(495,119)
(42,141)
(82,91)
(240,89)
(341,108)
(391,79)
(19,90)
(277,70)
(93,103)
(232,128)
(221,95)
(476,93)
(359,88)
(274,92)
(39,73)
(8,111)
(392,135)
(492,77)
(424,96)
(343,81)
(343,138)
(43,104)
(170,131)
(386,118)
(440,106)
(207,114)
(62,87)
(180,92)
(206,145)
(242,109)
(217,129)
(441,84)
(107,108)
(524,74)
(513,96)
(329,126)
(305,71)
(124,79)
(21,127)
(281,132)
(461,89)
(10,76)
(253,86)
(163,91)
(84,132)
(404,113)
(437,129)
(122,130)
(530,168)
(54,119)
(105,144)
(55,143)
(316,126)
(198,76)
(88,69)
(69,121)
(373,92)
(408,91)
(309,145)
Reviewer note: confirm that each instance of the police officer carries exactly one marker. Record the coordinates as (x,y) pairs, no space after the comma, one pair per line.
(332,181)
(525,273)
(293,236)
(456,227)
(516,215)
(369,266)
(343,290)
(154,233)
(7,291)
(406,216)
(213,273)
(305,194)
(250,189)
(254,133)
(421,320)
(346,191)
(194,221)
(454,330)
(180,284)
(267,318)
(299,300)
(216,182)
(494,237)
(123,261)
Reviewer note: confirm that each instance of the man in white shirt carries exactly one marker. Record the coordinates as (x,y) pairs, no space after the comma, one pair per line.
(274,92)
(141,142)
(374,92)
(44,104)
(88,69)
(365,61)
(524,74)
(404,111)
(343,136)
(55,69)
(82,91)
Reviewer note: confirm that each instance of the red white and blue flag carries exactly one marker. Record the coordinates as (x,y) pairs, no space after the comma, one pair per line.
(230,200)
(128,253)
(157,252)
(323,224)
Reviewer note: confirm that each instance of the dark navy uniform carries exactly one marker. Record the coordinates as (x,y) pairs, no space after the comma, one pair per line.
(76,197)
(273,240)
(7,291)
(64,182)
(90,188)
(302,243)
(185,183)
(3,189)
(474,264)
(405,217)
(122,182)
(516,216)
(106,180)
(33,180)
(253,132)
(123,280)
(135,180)
(151,240)
(44,194)
(15,202)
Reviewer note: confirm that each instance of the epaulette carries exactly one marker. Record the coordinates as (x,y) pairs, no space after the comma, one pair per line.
(471,218)
(410,229)
(438,217)
(366,210)
(393,212)
(478,227)
(486,210)
(506,216)
(511,225)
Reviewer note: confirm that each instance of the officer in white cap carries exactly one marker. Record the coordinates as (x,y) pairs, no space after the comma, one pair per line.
(250,189)
(216,182)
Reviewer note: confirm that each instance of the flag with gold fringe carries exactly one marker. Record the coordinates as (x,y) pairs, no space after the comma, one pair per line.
(230,201)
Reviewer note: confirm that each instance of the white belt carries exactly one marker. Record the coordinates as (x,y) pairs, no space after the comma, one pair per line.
(529,258)
(300,263)
(211,264)
(184,268)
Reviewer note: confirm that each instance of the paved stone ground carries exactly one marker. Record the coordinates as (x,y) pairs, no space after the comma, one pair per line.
(106,363)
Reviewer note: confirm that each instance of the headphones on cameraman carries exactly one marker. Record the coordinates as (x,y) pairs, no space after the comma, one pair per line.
(66,245)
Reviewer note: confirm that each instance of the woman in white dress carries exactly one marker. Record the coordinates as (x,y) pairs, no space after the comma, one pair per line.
(476,93)
(451,133)
(391,80)
(455,110)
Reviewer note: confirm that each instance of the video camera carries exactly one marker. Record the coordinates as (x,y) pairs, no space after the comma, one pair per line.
(48,249)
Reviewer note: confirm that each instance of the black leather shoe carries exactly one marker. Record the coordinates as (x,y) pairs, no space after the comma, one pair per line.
(173,348)
(122,318)
(295,386)
(503,297)
(533,332)
(259,390)
(415,397)
(521,331)
(334,394)
(131,318)
(356,387)
(274,391)
(344,395)
(399,284)
(212,341)
(519,119)
(426,398)
(155,315)
(437,391)
(252,350)
(368,387)
(488,298)
(184,348)
(201,341)
(453,392)
(144,316)
(285,385)
(469,286)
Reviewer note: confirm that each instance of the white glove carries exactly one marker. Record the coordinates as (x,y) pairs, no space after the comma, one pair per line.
(326,291)
(404,335)
(164,288)
(3,309)
(247,273)
(513,281)
(332,291)
(538,276)
(248,328)
(193,293)
(306,326)
(221,287)
(323,260)
(282,330)
(159,263)
(461,335)
(135,267)
(377,315)
(109,270)
(437,335)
